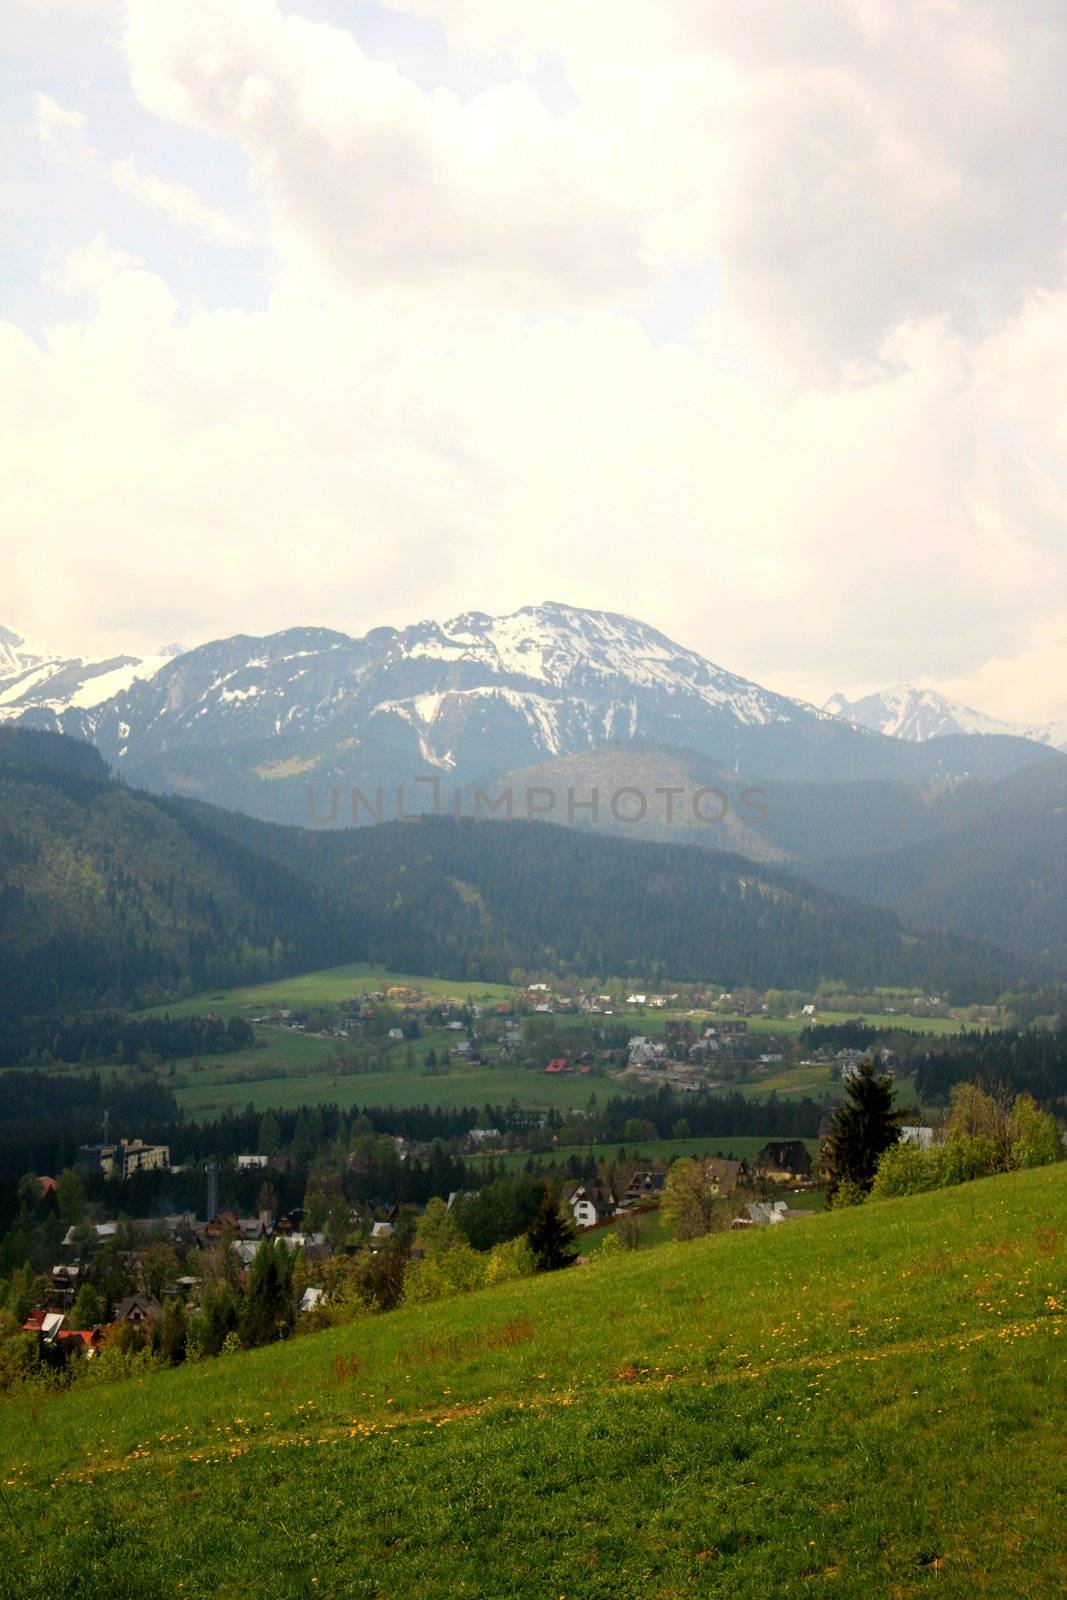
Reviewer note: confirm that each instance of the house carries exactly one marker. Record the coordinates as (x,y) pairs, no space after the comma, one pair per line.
(559,1065)
(245,1162)
(782,1159)
(923,1137)
(222,1224)
(138,1309)
(761,1214)
(725,1175)
(311,1298)
(636,999)
(484,1135)
(591,1203)
(104,1231)
(808,1011)
(645,1185)
(65,1284)
(395,1033)
(45,1324)
(381,1233)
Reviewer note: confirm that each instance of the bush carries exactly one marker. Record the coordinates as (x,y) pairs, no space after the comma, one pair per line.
(905,1169)
(515,1259)
(440,1276)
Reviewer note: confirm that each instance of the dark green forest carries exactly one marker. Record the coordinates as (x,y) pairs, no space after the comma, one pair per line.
(112,898)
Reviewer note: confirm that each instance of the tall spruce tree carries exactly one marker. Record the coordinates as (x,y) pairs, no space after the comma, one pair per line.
(862,1129)
(551,1235)
(269,1310)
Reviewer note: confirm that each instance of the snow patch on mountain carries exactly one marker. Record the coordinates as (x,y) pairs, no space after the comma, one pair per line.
(909,712)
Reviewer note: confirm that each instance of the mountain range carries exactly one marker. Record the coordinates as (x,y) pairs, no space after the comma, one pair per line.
(253,721)
(933,811)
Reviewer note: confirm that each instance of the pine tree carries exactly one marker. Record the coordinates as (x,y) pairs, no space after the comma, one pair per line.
(864,1127)
(269,1311)
(551,1235)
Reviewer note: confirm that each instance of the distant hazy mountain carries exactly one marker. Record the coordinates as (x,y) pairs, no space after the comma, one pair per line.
(999,874)
(907,712)
(252,722)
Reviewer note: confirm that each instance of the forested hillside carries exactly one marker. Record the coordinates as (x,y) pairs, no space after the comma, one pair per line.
(484,898)
(109,897)
(1002,877)
(114,897)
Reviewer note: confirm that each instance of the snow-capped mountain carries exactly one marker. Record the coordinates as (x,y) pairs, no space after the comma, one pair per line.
(37,680)
(908,712)
(252,722)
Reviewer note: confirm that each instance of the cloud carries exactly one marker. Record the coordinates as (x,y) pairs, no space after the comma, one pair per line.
(61,131)
(373,181)
(851,473)
(852,165)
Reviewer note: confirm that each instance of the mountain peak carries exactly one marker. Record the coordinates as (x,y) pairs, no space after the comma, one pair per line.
(19,653)
(910,711)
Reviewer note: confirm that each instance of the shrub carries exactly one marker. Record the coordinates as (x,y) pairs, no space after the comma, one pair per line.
(905,1169)
(515,1259)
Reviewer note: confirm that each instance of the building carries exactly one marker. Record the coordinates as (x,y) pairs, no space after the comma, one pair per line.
(125,1158)
(782,1159)
(138,1309)
(591,1203)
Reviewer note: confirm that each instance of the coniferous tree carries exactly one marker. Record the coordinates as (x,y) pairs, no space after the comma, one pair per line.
(551,1235)
(269,1311)
(862,1129)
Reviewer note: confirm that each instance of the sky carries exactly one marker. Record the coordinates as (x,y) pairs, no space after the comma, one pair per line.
(746,319)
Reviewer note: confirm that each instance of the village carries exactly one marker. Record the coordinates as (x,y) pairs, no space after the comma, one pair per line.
(127,1271)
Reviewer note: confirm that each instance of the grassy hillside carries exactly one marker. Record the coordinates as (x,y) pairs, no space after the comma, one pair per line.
(864,1404)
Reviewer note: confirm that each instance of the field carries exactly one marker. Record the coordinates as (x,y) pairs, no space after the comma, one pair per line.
(739,1147)
(331,986)
(208,1085)
(869,1403)
(463,1086)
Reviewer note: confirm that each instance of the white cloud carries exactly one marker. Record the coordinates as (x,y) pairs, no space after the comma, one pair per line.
(62,132)
(852,474)
(373,181)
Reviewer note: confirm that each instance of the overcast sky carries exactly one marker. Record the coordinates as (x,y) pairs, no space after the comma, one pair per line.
(746,317)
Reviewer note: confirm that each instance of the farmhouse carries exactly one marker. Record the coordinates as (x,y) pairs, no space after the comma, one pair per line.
(591,1203)
(782,1159)
(643,1185)
(137,1309)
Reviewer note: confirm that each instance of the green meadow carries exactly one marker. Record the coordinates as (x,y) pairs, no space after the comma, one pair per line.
(331,986)
(867,1403)
(738,1147)
(214,1084)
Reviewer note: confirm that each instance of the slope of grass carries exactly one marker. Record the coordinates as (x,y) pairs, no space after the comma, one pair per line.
(331,986)
(865,1404)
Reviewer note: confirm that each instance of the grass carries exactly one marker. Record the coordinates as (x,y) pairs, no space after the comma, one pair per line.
(870,1403)
(206,1094)
(463,1086)
(331,986)
(738,1147)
